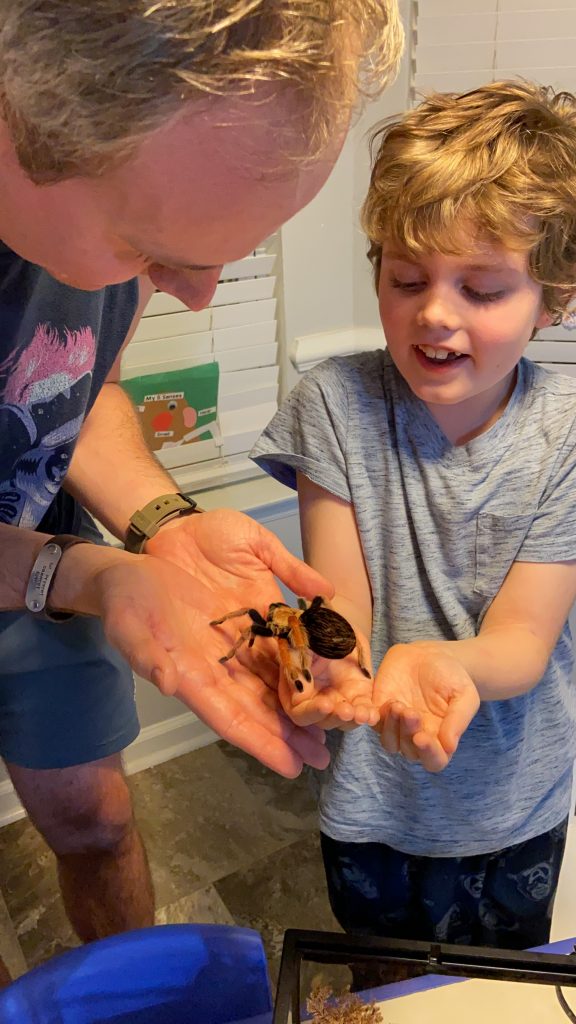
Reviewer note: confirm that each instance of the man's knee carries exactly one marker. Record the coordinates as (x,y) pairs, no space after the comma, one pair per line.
(87,809)
(92,830)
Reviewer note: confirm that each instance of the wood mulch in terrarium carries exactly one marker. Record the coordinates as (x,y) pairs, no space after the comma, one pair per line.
(346,1009)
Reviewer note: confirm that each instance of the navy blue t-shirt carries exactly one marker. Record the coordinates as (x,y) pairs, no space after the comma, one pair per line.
(57,345)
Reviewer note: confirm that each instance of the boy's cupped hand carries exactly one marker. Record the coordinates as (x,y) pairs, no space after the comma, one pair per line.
(339,695)
(426,700)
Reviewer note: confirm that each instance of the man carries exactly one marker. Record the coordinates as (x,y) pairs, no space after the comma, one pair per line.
(157,140)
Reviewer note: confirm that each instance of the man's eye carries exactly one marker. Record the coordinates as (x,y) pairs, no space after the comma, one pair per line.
(482,297)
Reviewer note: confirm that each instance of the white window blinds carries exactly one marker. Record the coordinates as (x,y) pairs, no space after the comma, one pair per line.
(461,44)
(238,332)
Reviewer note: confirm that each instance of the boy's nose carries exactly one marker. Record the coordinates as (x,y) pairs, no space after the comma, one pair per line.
(439,313)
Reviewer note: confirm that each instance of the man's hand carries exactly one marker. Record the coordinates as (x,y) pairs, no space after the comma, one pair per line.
(427,700)
(236,559)
(157,615)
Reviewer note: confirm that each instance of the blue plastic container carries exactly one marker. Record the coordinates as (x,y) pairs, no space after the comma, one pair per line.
(171,974)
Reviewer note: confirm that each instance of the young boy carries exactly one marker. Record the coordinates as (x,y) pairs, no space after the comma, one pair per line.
(437,487)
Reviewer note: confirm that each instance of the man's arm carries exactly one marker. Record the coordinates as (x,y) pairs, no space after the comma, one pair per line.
(157,608)
(113,472)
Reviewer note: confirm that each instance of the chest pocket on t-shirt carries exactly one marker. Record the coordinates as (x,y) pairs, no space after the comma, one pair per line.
(498,541)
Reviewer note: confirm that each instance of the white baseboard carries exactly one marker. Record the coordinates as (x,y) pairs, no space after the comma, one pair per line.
(155,744)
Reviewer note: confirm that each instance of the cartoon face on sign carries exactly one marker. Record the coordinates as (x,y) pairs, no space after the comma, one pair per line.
(169,419)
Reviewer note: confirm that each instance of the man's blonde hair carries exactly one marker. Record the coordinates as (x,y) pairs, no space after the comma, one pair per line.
(82,81)
(500,160)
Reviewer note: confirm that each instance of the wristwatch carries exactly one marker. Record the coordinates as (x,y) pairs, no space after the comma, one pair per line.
(146,522)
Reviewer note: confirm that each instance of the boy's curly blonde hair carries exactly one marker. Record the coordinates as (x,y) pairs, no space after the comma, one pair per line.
(82,81)
(501,159)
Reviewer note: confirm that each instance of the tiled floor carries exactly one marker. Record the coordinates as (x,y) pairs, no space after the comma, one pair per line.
(228,842)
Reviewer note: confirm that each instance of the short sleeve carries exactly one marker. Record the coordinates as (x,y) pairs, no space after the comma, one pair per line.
(308,433)
(552,535)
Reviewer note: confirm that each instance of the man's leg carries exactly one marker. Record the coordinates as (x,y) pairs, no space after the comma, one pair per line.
(85,815)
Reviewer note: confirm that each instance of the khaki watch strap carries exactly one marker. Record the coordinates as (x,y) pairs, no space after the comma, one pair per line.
(146,522)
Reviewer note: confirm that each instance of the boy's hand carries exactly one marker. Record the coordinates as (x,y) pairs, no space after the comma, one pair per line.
(426,700)
(339,696)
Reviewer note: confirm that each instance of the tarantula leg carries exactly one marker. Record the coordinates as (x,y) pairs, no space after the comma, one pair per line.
(245,634)
(298,641)
(316,602)
(362,660)
(290,670)
(230,615)
(254,615)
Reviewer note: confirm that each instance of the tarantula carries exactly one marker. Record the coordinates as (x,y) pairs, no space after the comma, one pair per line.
(311,628)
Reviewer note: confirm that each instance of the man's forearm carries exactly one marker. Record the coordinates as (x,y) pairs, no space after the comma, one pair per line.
(503,661)
(73,588)
(113,472)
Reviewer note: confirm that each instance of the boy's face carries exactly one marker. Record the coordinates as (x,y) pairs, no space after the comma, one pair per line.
(456,326)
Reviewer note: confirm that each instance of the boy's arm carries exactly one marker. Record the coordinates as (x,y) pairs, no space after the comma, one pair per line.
(331,544)
(429,690)
(341,695)
(520,630)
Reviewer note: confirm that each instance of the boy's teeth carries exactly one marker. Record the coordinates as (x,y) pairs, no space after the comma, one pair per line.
(435,353)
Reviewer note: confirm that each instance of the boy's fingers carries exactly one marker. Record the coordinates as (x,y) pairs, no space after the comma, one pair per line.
(430,752)
(390,728)
(365,713)
(458,717)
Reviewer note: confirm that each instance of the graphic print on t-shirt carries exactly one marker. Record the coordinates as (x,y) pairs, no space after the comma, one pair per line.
(44,393)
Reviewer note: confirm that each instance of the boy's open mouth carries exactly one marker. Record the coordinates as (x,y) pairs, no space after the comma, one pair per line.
(439,355)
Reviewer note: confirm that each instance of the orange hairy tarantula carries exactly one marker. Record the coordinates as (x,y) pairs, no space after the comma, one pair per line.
(311,628)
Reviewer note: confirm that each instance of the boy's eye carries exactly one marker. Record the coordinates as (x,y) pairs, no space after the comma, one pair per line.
(406,286)
(478,296)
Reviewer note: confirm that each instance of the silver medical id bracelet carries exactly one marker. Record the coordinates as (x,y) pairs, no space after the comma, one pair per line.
(43,574)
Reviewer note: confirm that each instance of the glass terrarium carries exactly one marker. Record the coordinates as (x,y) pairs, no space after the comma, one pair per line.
(443,984)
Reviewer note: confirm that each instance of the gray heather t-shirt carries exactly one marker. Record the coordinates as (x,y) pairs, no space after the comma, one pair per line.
(440,527)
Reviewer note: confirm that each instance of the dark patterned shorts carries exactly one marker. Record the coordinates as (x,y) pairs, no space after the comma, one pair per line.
(501,899)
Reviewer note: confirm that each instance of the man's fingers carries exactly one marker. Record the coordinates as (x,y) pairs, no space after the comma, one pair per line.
(310,745)
(145,655)
(295,574)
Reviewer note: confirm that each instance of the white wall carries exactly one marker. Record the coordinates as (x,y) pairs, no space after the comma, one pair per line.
(326,276)
(393,101)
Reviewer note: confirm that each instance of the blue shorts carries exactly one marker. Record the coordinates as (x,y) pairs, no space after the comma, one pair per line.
(66,695)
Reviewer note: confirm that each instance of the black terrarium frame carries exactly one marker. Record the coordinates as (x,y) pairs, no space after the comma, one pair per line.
(454,961)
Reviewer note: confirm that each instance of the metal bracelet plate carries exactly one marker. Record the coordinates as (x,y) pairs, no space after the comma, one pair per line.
(41,576)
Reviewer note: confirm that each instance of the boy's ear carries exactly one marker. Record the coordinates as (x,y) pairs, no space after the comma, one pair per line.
(544,320)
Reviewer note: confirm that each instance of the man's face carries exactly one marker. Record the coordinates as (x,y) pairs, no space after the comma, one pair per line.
(202,191)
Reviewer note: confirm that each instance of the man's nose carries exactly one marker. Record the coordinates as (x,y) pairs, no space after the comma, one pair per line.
(195,288)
